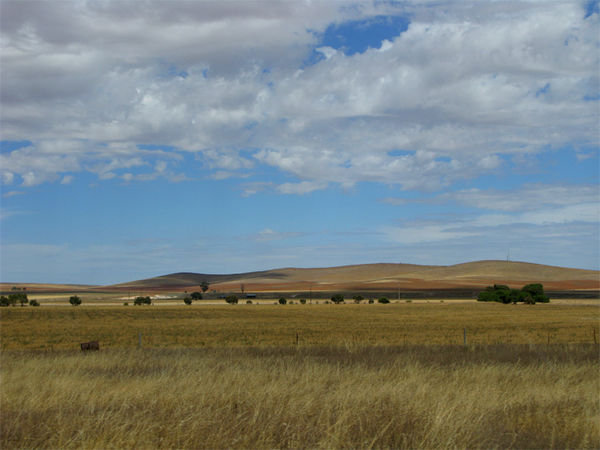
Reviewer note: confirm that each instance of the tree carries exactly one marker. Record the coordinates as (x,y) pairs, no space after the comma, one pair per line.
(187,300)
(196,296)
(204,285)
(231,299)
(282,301)
(536,291)
(75,300)
(383,300)
(4,301)
(19,297)
(358,298)
(337,299)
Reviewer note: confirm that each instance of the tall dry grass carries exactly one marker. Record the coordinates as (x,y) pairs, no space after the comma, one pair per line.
(493,396)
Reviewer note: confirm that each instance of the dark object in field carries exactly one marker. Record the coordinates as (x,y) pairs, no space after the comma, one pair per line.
(93,345)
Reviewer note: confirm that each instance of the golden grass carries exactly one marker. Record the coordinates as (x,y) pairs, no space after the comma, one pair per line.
(361,376)
(498,396)
(199,325)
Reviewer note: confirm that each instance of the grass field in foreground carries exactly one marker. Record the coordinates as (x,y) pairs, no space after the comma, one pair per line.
(495,396)
(56,328)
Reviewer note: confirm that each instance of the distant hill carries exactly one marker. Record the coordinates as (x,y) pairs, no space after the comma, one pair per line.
(380,277)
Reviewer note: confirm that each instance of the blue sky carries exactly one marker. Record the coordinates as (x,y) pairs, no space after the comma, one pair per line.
(224,137)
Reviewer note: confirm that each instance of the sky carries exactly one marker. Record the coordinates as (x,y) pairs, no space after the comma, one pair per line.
(141,138)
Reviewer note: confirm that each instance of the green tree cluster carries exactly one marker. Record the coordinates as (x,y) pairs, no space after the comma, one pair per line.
(13,299)
(530,294)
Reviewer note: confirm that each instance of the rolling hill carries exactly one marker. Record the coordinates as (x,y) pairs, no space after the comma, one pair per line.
(378,277)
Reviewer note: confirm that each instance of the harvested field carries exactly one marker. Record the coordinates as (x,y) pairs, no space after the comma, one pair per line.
(422,323)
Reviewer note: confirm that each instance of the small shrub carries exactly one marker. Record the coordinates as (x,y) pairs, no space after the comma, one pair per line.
(34,303)
(291,302)
(187,300)
(408,301)
(196,296)
(4,301)
(358,299)
(125,303)
(383,300)
(231,299)
(282,301)
(303,301)
(371,301)
(75,300)
(248,302)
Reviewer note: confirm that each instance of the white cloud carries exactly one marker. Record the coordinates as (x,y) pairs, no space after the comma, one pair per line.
(268,234)
(303,187)
(489,224)
(466,83)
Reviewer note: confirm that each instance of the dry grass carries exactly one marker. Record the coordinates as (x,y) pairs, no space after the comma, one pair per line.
(506,396)
(433,323)
(362,376)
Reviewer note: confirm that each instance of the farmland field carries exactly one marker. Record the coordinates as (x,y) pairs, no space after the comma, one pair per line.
(402,323)
(316,376)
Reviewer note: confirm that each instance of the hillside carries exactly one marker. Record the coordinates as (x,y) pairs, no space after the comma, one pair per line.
(381,277)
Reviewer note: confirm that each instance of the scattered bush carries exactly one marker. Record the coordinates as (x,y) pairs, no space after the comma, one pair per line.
(282,301)
(358,298)
(196,296)
(337,299)
(383,300)
(187,300)
(4,301)
(371,301)
(231,299)
(34,303)
(75,300)
(142,301)
(125,303)
(248,302)
(303,301)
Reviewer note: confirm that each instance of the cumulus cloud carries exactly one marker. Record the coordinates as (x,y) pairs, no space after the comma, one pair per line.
(465,84)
